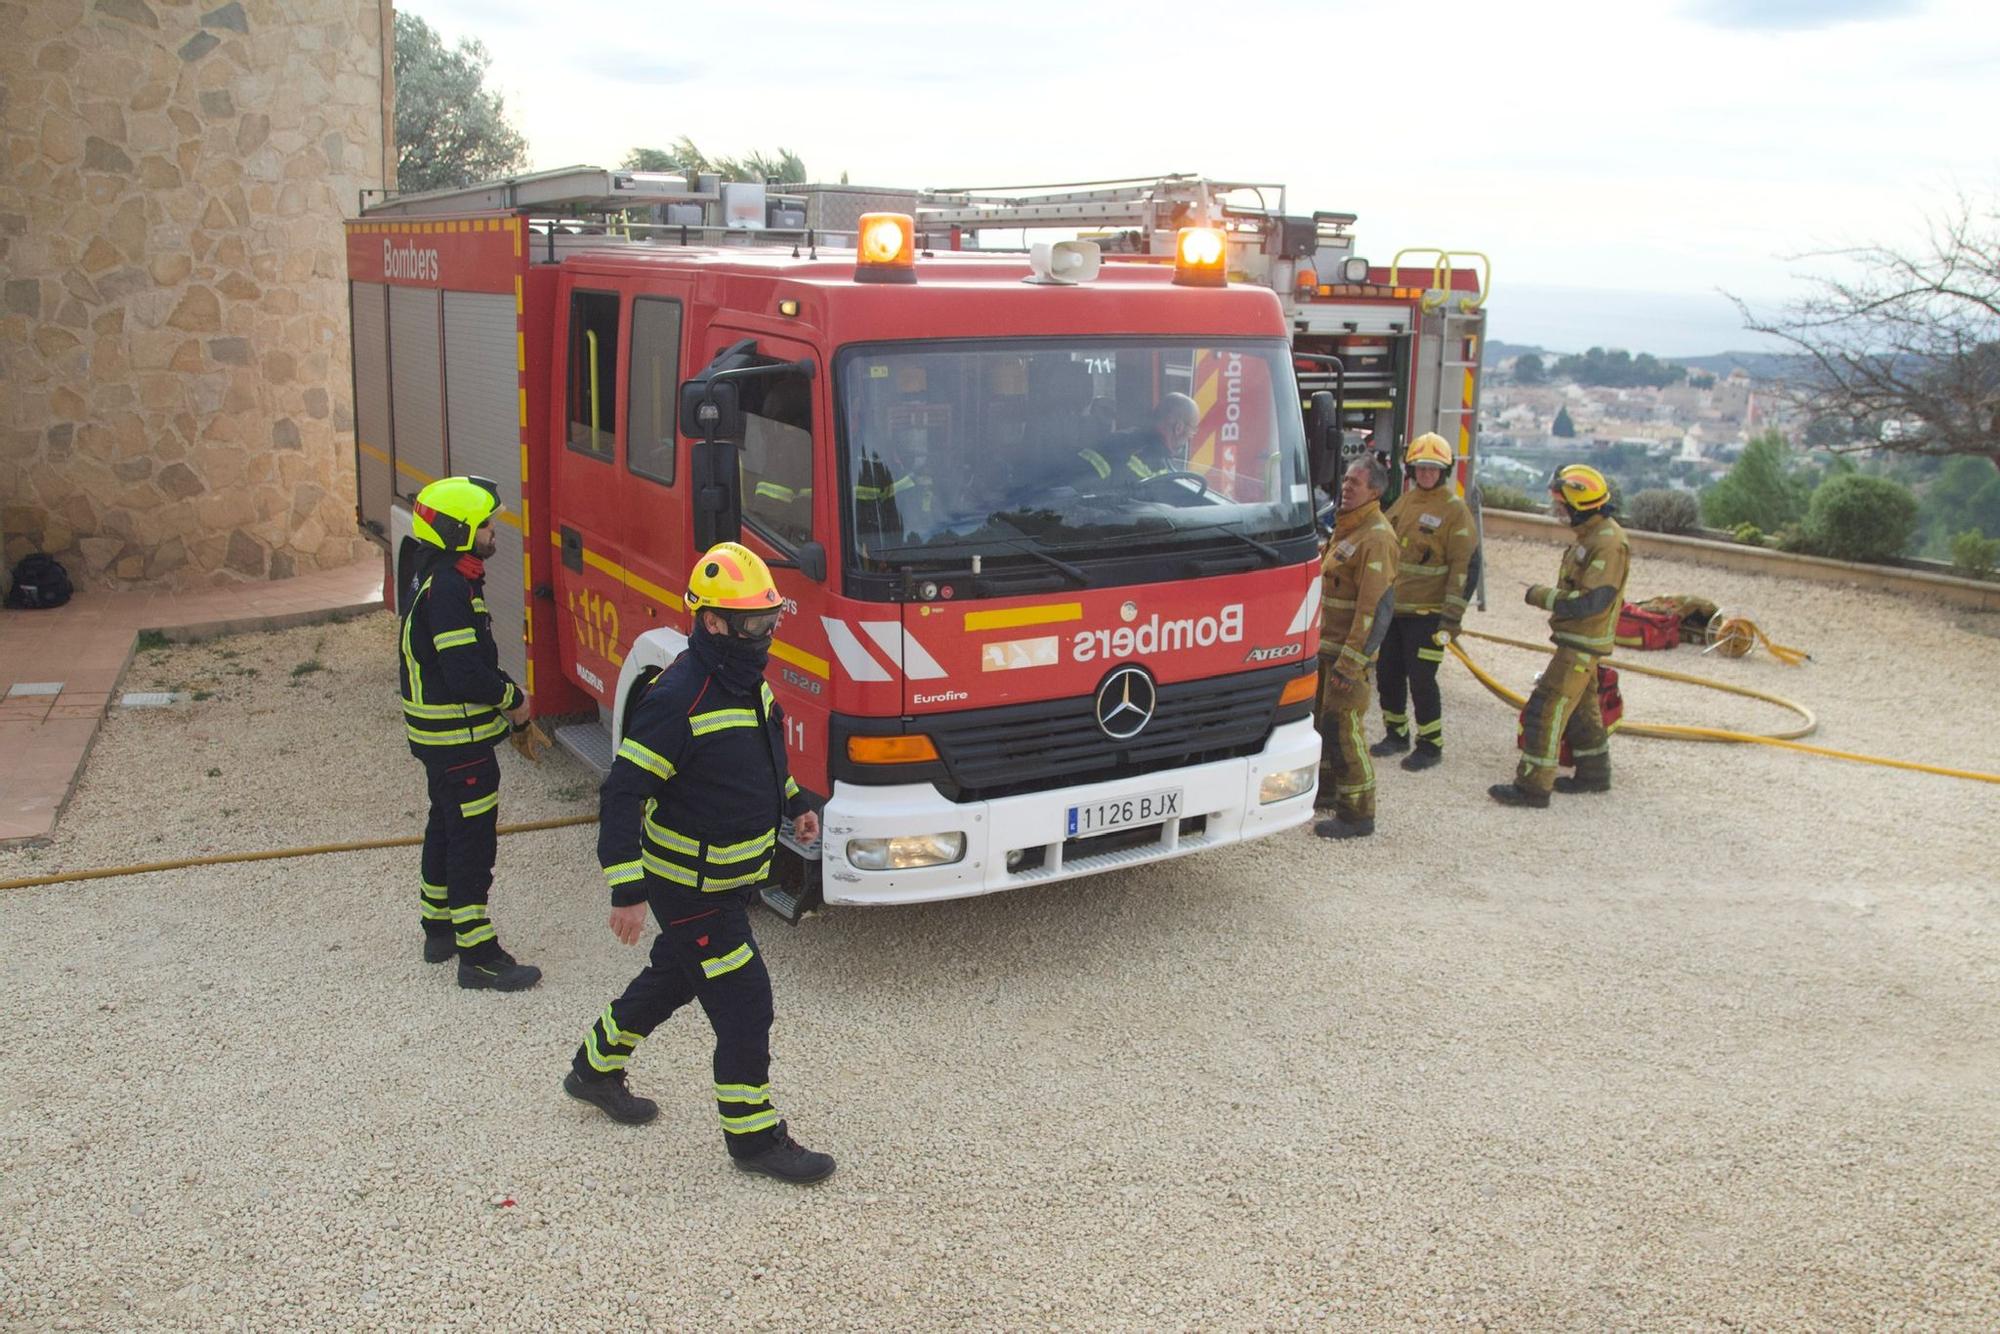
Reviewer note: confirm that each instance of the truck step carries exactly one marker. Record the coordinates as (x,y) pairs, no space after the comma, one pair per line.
(589,742)
(786,902)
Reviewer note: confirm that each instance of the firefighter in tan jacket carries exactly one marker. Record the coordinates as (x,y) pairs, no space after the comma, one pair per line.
(1437,563)
(1357,599)
(1583,618)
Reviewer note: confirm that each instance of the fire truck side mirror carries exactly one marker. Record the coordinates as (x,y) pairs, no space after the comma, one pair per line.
(712,413)
(711,409)
(1323,437)
(716,494)
(808,558)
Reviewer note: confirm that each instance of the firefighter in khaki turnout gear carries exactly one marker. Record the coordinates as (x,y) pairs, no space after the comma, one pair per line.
(1357,600)
(1438,551)
(456,704)
(1583,620)
(688,826)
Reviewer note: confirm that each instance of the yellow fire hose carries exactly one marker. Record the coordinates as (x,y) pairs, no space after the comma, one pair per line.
(1786,740)
(276,854)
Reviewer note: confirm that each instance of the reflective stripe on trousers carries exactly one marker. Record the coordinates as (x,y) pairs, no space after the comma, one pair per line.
(705,952)
(461,839)
(1563,706)
(1344,761)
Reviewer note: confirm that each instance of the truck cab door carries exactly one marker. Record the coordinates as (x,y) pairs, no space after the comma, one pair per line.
(593,622)
(788,493)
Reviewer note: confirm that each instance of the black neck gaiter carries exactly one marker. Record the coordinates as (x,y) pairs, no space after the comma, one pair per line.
(737,663)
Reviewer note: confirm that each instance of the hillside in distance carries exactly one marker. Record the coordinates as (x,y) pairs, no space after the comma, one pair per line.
(1757,365)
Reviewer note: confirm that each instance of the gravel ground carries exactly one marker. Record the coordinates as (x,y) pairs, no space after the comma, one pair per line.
(1717,1049)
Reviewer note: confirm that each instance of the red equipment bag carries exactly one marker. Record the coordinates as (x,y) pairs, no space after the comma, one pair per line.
(1610,705)
(1640,628)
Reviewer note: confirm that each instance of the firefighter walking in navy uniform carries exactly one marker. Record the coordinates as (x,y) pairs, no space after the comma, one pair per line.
(1435,567)
(456,704)
(1583,620)
(688,826)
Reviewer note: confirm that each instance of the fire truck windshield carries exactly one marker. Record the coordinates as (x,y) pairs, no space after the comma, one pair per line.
(1084,449)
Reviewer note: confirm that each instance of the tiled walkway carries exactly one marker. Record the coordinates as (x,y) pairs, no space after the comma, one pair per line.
(59,670)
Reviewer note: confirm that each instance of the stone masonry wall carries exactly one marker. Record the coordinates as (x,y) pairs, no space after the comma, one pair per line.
(174,381)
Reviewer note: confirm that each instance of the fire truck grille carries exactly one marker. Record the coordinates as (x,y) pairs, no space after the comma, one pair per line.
(992,753)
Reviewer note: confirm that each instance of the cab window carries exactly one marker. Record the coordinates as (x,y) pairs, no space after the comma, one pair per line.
(654,381)
(777,458)
(593,372)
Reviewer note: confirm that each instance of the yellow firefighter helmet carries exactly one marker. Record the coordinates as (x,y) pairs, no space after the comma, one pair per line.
(450,511)
(1581,487)
(731,577)
(1428,448)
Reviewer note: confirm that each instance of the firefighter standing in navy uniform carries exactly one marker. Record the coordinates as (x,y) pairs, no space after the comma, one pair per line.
(688,826)
(456,704)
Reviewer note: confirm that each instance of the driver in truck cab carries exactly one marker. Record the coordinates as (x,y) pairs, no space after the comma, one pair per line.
(1134,456)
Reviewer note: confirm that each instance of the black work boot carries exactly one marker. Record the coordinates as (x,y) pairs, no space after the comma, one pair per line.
(608,1094)
(1583,782)
(1424,756)
(1392,743)
(1342,827)
(438,946)
(787,1160)
(1513,794)
(497,973)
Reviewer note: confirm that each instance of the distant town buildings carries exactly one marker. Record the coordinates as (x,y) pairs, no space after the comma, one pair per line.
(1698,425)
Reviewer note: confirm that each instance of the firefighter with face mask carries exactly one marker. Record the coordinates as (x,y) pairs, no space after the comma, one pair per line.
(456,704)
(1438,551)
(688,827)
(1357,598)
(1583,619)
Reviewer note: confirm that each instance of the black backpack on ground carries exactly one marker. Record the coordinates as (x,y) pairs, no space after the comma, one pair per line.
(40,581)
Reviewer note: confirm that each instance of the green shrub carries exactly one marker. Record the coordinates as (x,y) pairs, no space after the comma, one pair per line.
(1749,534)
(1857,517)
(1662,510)
(1500,496)
(1974,554)
(1761,487)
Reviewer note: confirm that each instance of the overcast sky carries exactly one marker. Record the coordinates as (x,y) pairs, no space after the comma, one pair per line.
(1664,145)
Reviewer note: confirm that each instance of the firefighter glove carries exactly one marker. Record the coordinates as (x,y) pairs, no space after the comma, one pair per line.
(531,741)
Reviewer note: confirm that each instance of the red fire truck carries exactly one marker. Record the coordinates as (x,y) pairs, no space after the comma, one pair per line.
(1019,645)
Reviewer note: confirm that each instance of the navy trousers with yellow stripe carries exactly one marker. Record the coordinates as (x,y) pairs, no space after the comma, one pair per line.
(461,840)
(704,952)
(1408,670)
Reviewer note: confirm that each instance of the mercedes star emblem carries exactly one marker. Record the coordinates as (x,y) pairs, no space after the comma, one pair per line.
(1125,703)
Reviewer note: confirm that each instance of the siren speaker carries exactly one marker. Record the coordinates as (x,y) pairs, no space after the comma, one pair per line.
(1064,262)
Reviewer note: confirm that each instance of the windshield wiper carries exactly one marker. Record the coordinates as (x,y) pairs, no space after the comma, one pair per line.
(1068,570)
(1026,546)
(1265,549)
(1075,572)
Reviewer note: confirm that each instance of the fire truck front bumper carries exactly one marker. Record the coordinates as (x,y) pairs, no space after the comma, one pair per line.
(909,844)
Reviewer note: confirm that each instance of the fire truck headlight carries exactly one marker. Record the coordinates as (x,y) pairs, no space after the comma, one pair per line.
(1199,255)
(1355,270)
(902,854)
(1284,786)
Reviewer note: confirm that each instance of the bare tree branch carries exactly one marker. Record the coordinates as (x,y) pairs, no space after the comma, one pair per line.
(1906,346)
